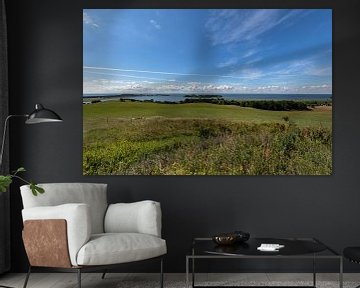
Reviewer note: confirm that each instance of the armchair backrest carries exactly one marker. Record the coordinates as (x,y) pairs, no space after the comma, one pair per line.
(92,194)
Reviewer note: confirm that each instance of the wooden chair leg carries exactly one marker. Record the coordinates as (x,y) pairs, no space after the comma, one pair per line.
(27,277)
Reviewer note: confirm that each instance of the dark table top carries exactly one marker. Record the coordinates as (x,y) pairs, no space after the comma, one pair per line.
(293,247)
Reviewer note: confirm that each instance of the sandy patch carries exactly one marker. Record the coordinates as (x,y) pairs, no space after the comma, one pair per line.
(322,108)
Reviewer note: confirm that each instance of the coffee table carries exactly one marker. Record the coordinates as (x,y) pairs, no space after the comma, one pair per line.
(295,248)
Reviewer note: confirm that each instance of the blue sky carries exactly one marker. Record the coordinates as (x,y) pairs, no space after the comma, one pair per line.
(207,51)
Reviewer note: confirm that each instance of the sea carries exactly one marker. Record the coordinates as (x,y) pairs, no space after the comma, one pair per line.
(181,97)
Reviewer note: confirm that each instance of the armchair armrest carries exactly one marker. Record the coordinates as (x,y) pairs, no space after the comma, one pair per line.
(77,219)
(138,217)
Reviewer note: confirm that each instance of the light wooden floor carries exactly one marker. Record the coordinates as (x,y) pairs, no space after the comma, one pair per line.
(113,280)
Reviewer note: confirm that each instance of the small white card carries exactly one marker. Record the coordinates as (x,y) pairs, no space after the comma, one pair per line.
(270,247)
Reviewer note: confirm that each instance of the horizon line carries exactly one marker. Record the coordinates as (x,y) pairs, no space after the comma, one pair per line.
(145,94)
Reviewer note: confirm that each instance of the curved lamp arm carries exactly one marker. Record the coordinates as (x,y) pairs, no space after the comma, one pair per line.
(4,134)
(39,115)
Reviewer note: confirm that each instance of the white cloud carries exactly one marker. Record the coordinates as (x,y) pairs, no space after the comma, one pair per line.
(114,80)
(249,53)
(319,71)
(254,60)
(128,76)
(124,86)
(292,68)
(229,62)
(144,86)
(112,86)
(233,26)
(252,74)
(88,20)
(87,68)
(155,24)
(318,86)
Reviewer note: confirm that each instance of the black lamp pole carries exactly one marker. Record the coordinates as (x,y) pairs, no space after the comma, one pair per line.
(39,115)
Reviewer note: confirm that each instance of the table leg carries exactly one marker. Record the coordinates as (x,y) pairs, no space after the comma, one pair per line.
(193,272)
(341,273)
(187,272)
(314,271)
(193,267)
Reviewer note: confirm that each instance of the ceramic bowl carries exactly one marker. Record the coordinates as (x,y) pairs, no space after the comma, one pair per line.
(225,239)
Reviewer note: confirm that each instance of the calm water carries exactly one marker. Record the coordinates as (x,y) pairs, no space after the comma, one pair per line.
(181,97)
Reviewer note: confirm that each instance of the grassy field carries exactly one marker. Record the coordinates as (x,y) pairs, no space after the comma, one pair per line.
(140,138)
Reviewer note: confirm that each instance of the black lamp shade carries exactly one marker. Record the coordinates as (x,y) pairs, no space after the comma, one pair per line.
(42,115)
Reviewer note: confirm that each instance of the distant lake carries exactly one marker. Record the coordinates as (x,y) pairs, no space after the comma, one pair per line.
(181,97)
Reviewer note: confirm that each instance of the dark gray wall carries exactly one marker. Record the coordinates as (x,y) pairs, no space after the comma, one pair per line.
(45,43)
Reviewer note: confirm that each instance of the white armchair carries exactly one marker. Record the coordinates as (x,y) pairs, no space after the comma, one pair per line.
(72,228)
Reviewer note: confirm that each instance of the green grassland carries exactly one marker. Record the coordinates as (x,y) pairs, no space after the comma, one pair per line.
(139,138)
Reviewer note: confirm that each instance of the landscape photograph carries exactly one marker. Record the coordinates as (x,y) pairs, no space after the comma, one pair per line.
(207,92)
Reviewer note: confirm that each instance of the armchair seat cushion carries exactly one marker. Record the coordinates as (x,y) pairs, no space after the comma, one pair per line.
(113,248)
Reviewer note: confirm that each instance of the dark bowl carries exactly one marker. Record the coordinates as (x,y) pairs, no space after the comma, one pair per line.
(225,239)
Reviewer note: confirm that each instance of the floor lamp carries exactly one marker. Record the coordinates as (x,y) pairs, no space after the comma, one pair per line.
(39,115)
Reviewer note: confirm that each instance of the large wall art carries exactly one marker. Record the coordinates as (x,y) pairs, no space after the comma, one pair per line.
(207,92)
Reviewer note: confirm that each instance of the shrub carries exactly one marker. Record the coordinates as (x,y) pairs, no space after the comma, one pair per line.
(286,118)
(207,147)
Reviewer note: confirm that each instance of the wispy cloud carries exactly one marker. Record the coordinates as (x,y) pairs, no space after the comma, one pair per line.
(246,80)
(230,62)
(296,67)
(129,76)
(253,60)
(234,26)
(110,86)
(225,51)
(319,71)
(121,86)
(155,24)
(88,20)
(163,72)
(249,53)
(145,86)
(252,74)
